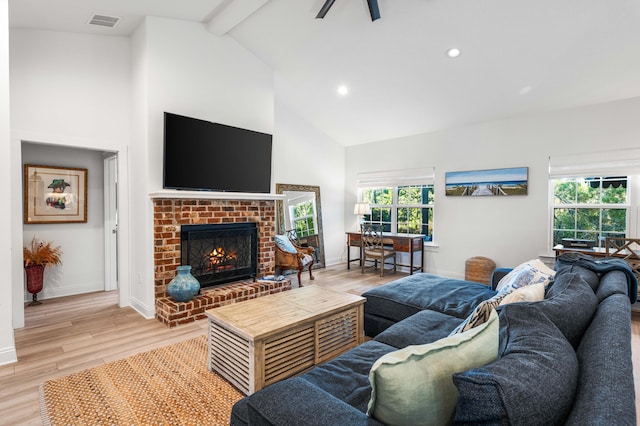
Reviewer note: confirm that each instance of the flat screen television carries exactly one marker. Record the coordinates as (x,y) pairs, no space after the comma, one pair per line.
(204,156)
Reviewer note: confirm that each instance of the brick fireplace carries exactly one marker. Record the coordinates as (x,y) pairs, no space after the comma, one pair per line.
(168,216)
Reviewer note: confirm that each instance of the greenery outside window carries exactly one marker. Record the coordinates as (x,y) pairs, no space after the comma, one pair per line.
(406,209)
(591,208)
(303,218)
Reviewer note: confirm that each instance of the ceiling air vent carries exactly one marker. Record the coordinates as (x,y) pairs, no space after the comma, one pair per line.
(104,20)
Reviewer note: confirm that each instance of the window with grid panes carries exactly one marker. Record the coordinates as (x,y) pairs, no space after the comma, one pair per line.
(406,209)
(590,208)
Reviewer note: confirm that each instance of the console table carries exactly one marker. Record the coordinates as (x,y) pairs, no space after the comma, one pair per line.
(407,243)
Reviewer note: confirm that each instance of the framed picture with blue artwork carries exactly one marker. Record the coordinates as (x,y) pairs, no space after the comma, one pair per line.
(54,194)
(494,182)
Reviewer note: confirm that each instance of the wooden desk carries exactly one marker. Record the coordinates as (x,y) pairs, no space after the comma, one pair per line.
(406,243)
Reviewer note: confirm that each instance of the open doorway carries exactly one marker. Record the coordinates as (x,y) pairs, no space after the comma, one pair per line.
(89,249)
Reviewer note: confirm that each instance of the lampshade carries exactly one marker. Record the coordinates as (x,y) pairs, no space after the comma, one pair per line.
(362,209)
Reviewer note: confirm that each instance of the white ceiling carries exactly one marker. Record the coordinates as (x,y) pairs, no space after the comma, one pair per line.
(518,57)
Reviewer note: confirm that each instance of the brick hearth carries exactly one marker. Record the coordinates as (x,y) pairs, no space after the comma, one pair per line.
(170,214)
(175,313)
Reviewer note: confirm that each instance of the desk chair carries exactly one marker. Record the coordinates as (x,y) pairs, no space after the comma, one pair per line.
(373,248)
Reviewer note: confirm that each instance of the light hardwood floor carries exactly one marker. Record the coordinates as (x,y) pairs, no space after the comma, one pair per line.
(70,334)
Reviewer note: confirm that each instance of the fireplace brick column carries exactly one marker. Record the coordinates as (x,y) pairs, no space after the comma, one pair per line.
(169,214)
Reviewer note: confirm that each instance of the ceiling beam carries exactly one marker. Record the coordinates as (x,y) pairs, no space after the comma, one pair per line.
(231,14)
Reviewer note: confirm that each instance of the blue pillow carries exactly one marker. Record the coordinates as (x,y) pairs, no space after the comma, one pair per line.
(533,381)
(283,242)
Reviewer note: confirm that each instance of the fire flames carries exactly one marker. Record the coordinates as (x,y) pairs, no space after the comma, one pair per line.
(219,258)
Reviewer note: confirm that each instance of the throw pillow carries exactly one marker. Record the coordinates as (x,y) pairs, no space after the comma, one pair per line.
(531,272)
(283,242)
(534,380)
(480,314)
(530,293)
(413,386)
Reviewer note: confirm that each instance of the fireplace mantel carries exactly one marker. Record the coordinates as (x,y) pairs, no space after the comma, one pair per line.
(213,195)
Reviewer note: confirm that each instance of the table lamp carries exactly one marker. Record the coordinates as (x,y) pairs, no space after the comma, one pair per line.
(362,209)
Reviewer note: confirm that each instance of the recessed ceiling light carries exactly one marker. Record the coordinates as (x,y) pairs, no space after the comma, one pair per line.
(453,52)
(343,90)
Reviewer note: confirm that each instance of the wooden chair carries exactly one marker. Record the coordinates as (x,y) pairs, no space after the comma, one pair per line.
(293,257)
(625,248)
(373,248)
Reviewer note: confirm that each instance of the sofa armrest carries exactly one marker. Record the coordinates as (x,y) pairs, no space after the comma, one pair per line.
(297,402)
(497,275)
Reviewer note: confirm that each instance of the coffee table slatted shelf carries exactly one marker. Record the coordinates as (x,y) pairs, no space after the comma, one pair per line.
(260,341)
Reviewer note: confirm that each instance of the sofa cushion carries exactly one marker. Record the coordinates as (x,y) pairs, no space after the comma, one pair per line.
(533,380)
(508,294)
(527,273)
(419,329)
(480,314)
(412,386)
(404,297)
(588,275)
(613,282)
(297,402)
(570,304)
(606,369)
(347,376)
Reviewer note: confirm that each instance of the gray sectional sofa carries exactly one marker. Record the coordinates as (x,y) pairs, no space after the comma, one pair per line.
(562,360)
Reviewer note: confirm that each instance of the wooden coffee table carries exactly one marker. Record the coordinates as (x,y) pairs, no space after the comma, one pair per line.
(260,341)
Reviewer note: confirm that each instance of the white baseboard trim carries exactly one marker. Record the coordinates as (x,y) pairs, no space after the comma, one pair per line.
(144,310)
(64,291)
(8,355)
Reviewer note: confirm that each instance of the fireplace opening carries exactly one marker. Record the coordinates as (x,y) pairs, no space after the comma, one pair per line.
(220,253)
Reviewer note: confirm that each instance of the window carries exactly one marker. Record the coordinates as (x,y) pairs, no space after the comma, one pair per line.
(406,209)
(594,195)
(590,208)
(303,218)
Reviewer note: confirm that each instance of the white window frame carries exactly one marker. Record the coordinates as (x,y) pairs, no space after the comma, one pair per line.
(624,162)
(629,222)
(394,179)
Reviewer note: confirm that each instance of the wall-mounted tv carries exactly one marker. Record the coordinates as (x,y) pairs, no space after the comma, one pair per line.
(205,156)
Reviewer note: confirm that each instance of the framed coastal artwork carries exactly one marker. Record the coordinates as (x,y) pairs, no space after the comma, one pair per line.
(494,182)
(54,194)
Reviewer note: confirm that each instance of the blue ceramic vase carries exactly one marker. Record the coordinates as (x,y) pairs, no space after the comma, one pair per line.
(184,286)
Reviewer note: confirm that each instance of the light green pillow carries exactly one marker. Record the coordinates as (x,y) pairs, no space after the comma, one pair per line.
(413,386)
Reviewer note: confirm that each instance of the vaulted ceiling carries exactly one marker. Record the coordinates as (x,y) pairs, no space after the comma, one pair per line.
(517,57)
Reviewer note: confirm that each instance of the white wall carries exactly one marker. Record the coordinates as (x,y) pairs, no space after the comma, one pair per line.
(82,244)
(179,67)
(68,90)
(303,155)
(7,342)
(508,230)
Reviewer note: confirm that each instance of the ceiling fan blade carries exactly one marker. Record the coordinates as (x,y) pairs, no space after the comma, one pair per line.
(325,8)
(373,9)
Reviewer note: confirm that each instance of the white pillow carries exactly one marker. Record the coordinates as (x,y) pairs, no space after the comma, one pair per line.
(530,293)
(414,385)
(531,272)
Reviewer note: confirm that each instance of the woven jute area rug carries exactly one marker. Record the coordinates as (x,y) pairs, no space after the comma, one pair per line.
(165,386)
